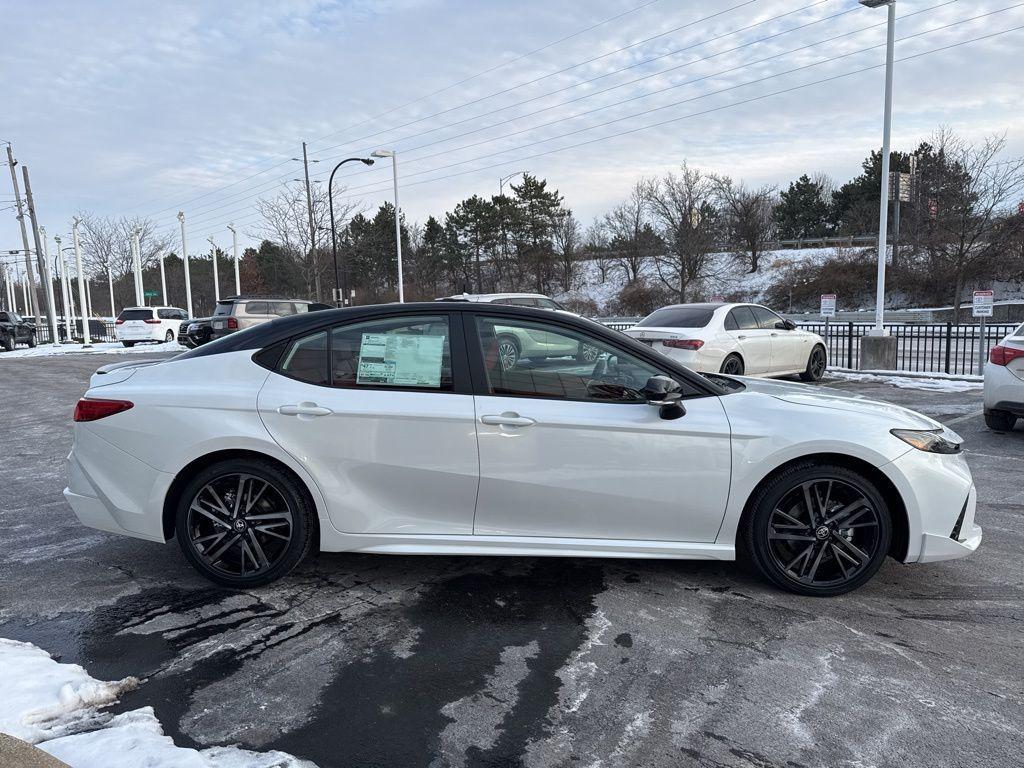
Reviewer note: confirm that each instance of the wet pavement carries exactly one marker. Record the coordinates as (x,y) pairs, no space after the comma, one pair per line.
(363,660)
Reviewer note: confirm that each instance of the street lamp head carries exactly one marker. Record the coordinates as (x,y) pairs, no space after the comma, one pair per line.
(231,228)
(382,153)
(875,3)
(181,216)
(366,161)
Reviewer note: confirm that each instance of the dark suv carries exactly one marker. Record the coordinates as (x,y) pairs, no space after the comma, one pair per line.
(238,312)
(14,329)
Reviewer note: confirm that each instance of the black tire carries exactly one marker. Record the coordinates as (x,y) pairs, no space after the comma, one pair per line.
(508,352)
(31,340)
(807,552)
(732,365)
(128,343)
(817,362)
(279,488)
(1000,421)
(168,337)
(8,343)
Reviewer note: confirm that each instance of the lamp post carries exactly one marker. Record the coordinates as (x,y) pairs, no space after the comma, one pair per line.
(234,250)
(140,291)
(184,258)
(503,179)
(216,277)
(398,221)
(48,270)
(340,291)
(81,284)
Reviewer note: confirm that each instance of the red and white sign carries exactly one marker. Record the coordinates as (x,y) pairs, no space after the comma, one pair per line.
(828,305)
(983,303)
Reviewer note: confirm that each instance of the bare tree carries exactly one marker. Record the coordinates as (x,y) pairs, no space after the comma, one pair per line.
(683,205)
(748,217)
(595,243)
(631,239)
(107,242)
(566,238)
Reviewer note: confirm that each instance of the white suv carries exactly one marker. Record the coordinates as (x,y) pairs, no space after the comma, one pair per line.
(138,324)
(1004,383)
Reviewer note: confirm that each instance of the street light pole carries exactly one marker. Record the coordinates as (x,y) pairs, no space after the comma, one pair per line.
(140,291)
(341,291)
(503,179)
(81,284)
(48,271)
(184,258)
(398,219)
(216,277)
(234,249)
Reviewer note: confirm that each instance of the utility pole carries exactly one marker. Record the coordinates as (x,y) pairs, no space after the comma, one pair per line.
(24,236)
(312,227)
(184,258)
(65,289)
(216,277)
(234,248)
(48,269)
(86,344)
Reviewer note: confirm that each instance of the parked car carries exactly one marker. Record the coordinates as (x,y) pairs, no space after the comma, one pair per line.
(148,324)
(14,329)
(735,339)
(395,429)
(195,332)
(1004,383)
(238,312)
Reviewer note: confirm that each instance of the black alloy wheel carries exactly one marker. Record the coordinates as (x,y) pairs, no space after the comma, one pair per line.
(732,366)
(819,530)
(816,365)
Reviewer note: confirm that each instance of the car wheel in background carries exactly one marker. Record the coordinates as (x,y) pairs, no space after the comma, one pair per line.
(8,343)
(169,337)
(1000,421)
(128,343)
(587,353)
(818,529)
(508,352)
(244,522)
(816,365)
(31,340)
(732,366)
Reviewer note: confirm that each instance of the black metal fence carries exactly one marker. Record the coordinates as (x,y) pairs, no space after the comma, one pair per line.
(99,330)
(933,348)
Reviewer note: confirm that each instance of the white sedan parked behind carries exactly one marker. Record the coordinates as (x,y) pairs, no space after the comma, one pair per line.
(397,429)
(735,339)
(1004,383)
(138,324)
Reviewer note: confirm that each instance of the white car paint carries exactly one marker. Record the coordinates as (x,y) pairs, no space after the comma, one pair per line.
(397,472)
(764,351)
(1004,381)
(133,328)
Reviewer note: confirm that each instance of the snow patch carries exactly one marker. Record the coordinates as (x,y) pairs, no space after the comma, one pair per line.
(98,348)
(931,383)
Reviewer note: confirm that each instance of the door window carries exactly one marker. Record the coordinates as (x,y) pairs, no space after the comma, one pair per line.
(306,359)
(744,318)
(525,358)
(257,308)
(398,352)
(281,308)
(766,318)
(520,301)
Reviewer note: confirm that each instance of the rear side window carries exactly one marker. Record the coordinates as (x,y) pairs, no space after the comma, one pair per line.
(678,317)
(281,308)
(223,308)
(167,314)
(257,308)
(306,359)
(136,314)
(743,318)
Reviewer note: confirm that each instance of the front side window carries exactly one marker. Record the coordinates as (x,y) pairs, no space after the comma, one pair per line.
(399,352)
(526,358)
(766,318)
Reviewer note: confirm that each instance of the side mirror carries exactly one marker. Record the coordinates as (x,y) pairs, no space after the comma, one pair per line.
(785,325)
(666,394)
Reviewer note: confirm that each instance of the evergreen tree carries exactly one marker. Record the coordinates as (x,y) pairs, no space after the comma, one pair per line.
(802,211)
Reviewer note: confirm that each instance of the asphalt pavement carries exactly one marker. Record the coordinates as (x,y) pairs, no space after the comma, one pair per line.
(363,660)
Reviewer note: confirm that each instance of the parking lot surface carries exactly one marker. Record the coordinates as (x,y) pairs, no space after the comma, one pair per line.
(435,661)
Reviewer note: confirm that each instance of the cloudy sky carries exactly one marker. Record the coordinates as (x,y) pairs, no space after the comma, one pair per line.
(133,108)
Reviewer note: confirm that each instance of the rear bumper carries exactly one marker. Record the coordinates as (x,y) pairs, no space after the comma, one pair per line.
(1003,391)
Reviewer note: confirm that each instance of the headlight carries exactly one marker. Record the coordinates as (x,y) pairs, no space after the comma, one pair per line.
(930,440)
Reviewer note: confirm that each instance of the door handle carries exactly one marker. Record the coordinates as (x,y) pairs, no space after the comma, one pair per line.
(507,419)
(741,336)
(304,409)
(774,335)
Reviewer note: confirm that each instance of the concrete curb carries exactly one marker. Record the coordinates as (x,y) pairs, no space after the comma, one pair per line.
(15,753)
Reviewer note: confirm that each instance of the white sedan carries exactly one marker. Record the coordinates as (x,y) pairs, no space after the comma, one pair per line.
(396,429)
(1004,383)
(735,339)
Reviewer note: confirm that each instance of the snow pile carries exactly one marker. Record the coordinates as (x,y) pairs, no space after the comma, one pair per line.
(57,707)
(930,383)
(98,348)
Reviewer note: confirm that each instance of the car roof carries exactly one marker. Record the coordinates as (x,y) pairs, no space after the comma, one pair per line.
(243,299)
(484,297)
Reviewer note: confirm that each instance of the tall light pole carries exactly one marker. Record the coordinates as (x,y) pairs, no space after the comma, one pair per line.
(110,286)
(163,281)
(309,209)
(33,307)
(48,270)
(140,292)
(234,251)
(184,258)
(81,284)
(216,277)
(503,179)
(398,219)
(65,288)
(341,296)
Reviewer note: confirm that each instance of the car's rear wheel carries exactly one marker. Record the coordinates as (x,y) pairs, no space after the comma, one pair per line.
(587,353)
(169,337)
(508,352)
(732,365)
(1000,421)
(816,364)
(128,343)
(244,523)
(818,529)
(31,340)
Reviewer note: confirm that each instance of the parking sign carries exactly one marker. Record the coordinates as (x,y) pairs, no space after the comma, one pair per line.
(983,303)
(828,305)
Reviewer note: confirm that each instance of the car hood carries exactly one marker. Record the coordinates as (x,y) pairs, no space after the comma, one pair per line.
(837,400)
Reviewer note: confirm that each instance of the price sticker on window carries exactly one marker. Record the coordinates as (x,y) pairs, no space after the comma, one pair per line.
(400,360)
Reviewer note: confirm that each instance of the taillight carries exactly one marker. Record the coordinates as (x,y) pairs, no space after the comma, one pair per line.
(691,344)
(232,324)
(1000,355)
(88,409)
(119,321)
(151,321)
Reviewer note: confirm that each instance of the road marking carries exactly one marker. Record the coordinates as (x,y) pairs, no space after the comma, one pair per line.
(965,417)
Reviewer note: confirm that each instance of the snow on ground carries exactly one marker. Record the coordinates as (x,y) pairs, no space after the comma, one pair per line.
(932,382)
(98,348)
(58,707)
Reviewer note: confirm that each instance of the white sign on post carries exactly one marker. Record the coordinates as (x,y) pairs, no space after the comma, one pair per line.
(983,303)
(828,305)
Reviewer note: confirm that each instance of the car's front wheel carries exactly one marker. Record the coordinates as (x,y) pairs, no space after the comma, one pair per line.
(818,529)
(244,522)
(8,343)
(508,352)
(1000,421)
(31,340)
(816,364)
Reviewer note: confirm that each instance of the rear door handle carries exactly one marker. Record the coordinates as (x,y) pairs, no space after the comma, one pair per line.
(507,420)
(741,336)
(304,409)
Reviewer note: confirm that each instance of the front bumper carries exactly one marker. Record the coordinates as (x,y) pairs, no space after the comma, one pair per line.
(961,541)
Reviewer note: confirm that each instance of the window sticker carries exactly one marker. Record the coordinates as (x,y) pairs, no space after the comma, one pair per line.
(400,360)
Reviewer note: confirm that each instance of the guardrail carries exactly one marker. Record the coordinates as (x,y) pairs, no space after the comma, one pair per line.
(934,348)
